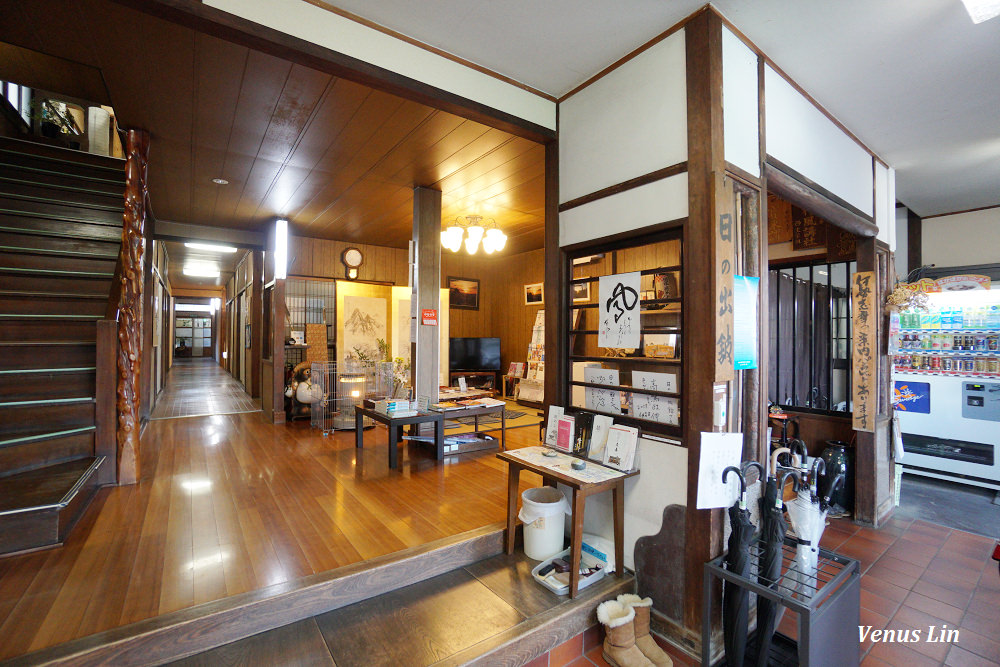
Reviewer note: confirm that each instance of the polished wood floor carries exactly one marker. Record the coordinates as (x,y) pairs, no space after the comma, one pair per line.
(200,386)
(228,504)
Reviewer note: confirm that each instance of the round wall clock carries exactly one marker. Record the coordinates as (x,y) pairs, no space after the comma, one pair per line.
(352,259)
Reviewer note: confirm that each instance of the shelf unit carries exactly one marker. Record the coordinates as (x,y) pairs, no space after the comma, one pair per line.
(657,259)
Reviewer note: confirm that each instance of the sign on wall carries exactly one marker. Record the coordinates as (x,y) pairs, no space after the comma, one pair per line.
(912,396)
(618,310)
(724,243)
(865,348)
(746,290)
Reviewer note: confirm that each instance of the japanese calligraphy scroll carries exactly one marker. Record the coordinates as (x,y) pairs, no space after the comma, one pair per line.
(724,243)
(618,310)
(865,348)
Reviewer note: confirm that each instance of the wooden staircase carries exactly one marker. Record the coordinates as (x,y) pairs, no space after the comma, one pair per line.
(60,233)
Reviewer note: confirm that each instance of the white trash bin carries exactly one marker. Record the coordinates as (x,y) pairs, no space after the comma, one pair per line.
(542,511)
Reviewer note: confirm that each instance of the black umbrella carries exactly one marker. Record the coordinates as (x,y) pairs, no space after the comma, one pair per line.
(735,598)
(772,536)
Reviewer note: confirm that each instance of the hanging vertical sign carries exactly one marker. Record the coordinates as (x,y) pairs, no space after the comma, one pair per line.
(864,349)
(618,310)
(745,295)
(724,243)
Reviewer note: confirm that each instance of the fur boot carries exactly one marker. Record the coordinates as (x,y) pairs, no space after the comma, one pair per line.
(619,638)
(643,640)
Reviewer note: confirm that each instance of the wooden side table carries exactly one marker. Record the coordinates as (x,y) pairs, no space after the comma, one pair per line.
(394,424)
(581,490)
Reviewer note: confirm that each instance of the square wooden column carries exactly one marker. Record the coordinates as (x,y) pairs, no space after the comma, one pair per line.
(425,349)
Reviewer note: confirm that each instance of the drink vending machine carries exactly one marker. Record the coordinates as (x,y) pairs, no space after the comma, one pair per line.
(946,377)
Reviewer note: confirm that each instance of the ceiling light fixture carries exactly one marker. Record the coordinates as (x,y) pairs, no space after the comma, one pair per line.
(196,270)
(982,10)
(474,229)
(280,249)
(212,247)
(220,181)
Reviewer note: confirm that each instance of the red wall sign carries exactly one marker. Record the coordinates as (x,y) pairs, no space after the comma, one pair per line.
(429,317)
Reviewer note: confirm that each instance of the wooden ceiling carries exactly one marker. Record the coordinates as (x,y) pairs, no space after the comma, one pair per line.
(338,159)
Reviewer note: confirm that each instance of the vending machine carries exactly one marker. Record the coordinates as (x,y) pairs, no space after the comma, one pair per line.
(946,380)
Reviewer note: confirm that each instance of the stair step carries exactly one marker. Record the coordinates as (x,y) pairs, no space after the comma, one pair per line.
(23,282)
(42,226)
(48,303)
(13,329)
(45,447)
(53,295)
(65,197)
(61,182)
(101,266)
(38,384)
(61,273)
(21,355)
(39,507)
(52,245)
(56,211)
(40,402)
(22,420)
(58,154)
(56,165)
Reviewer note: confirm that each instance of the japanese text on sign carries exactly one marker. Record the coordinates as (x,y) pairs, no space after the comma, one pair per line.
(663,409)
(602,400)
(863,385)
(618,310)
(724,245)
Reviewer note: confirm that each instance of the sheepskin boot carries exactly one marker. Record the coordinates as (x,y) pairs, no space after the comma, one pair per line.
(643,639)
(619,635)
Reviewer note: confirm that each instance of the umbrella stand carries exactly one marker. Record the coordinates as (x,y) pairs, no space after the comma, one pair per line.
(735,598)
(772,538)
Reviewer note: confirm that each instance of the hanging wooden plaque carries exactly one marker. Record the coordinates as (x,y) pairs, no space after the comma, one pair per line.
(724,244)
(841,245)
(864,349)
(808,231)
(779,220)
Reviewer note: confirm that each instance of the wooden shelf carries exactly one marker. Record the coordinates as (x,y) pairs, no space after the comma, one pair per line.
(625,387)
(638,360)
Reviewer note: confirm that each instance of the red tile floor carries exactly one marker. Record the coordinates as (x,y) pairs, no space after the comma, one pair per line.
(914,575)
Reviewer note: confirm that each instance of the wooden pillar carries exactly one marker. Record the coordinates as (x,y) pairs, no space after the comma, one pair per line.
(914,242)
(256,318)
(130,305)
(703,529)
(426,348)
(556,280)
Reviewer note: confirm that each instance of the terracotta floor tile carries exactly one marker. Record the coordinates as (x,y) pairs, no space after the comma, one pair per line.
(913,552)
(963,581)
(959,657)
(954,562)
(892,576)
(540,661)
(884,589)
(876,621)
(592,636)
(871,661)
(877,535)
(921,620)
(987,626)
(901,655)
(984,647)
(982,608)
(935,608)
(903,566)
(582,661)
(595,655)
(968,545)
(927,528)
(950,596)
(680,659)
(989,596)
(935,650)
(566,652)
(878,603)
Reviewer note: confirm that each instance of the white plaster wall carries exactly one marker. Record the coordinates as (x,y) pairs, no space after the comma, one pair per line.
(962,239)
(313,24)
(650,204)
(902,243)
(741,132)
(627,124)
(800,136)
(646,495)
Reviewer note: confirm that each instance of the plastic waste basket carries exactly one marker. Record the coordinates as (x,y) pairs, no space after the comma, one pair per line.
(542,511)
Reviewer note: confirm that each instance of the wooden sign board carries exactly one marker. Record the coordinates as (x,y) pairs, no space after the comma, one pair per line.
(779,220)
(724,245)
(864,350)
(808,231)
(841,245)
(316,338)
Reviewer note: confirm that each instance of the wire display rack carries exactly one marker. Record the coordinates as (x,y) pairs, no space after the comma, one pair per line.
(324,373)
(828,602)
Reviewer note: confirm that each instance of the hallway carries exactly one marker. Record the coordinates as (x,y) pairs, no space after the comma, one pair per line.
(199,387)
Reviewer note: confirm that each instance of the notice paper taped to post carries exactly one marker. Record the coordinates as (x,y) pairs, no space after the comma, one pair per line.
(718,451)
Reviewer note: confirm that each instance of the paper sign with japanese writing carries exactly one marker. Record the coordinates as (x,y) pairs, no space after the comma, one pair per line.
(745,291)
(865,349)
(724,245)
(603,400)
(718,451)
(663,409)
(618,310)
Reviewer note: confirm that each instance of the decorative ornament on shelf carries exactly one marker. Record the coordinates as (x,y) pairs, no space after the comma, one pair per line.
(473,229)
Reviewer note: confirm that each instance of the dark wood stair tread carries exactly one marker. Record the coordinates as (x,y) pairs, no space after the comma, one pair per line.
(42,487)
(37,343)
(58,153)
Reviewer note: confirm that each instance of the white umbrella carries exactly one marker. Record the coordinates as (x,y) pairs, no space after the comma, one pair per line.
(808,519)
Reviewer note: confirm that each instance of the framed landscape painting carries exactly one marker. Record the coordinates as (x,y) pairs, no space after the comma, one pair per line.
(463,293)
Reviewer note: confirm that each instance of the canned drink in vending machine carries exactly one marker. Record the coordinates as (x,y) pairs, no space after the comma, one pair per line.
(948,364)
(935,363)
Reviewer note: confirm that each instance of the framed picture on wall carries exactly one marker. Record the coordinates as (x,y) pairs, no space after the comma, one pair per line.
(246,342)
(534,294)
(581,292)
(463,293)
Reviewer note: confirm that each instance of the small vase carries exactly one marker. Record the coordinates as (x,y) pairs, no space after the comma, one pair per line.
(837,461)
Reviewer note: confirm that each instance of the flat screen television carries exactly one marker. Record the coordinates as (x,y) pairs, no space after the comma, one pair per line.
(474,354)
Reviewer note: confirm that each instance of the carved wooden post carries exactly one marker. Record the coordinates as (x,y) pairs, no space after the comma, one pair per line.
(130,305)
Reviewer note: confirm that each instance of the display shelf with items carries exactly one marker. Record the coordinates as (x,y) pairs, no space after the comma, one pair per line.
(958,335)
(624,348)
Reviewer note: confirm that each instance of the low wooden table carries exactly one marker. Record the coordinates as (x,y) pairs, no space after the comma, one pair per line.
(480,411)
(394,424)
(581,489)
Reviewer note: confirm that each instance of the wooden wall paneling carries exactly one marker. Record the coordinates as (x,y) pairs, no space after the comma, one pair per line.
(256,320)
(130,307)
(703,44)
(106,418)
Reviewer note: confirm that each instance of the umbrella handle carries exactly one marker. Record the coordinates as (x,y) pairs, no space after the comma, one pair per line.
(838,482)
(743,483)
(818,468)
(752,464)
(781,485)
(774,459)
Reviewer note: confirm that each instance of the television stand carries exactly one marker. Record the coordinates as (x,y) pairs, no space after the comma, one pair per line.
(478,379)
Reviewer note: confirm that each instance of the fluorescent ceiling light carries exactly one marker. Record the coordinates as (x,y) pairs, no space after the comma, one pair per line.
(220,181)
(211,246)
(201,271)
(982,10)
(280,249)
(194,307)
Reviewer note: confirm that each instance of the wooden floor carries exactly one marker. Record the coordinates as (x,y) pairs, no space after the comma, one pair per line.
(228,504)
(201,387)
